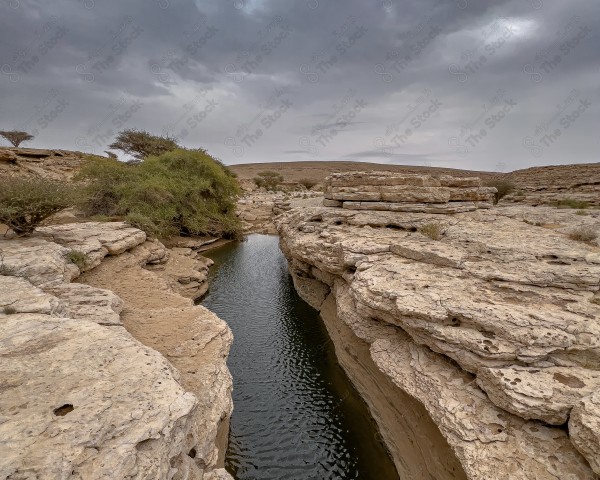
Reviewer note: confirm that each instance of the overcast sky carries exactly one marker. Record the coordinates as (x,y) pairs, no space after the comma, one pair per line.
(478,84)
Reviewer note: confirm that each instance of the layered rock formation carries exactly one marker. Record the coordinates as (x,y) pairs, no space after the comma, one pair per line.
(80,396)
(553,183)
(388,191)
(257,210)
(492,324)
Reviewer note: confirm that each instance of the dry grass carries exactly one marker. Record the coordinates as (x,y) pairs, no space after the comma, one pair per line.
(584,234)
(432,230)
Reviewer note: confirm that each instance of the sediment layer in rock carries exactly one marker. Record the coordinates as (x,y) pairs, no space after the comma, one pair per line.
(81,397)
(494,329)
(406,193)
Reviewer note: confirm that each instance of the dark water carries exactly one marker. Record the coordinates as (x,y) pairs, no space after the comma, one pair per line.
(296,414)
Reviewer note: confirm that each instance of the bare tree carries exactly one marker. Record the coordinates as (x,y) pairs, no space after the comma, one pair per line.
(16,137)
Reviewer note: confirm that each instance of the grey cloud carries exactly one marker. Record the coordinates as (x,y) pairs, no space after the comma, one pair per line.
(433,79)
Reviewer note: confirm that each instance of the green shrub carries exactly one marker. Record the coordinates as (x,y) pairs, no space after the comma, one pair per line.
(9,310)
(584,234)
(504,187)
(432,230)
(179,192)
(572,203)
(27,202)
(78,258)
(269,180)
(583,213)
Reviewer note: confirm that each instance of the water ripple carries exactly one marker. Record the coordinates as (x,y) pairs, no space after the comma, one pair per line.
(296,415)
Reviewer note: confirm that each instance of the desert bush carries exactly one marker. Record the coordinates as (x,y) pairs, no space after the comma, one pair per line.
(16,137)
(141,144)
(179,192)
(78,258)
(9,310)
(307,182)
(269,180)
(27,202)
(595,300)
(584,234)
(572,203)
(582,213)
(432,230)
(504,187)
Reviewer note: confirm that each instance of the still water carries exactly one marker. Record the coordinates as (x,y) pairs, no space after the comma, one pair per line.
(296,414)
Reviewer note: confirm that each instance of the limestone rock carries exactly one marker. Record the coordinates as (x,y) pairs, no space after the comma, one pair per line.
(219,474)
(459,182)
(455,207)
(546,394)
(94,304)
(17,295)
(457,322)
(421,193)
(333,203)
(43,263)
(191,337)
(80,396)
(94,239)
(82,400)
(584,428)
(353,179)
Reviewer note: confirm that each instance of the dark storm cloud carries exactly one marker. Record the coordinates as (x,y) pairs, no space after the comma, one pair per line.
(493,85)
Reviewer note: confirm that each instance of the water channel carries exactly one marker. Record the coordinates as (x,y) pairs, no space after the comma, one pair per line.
(296,414)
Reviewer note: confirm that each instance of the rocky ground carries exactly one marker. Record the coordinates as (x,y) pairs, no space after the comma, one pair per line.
(29,162)
(490,320)
(81,396)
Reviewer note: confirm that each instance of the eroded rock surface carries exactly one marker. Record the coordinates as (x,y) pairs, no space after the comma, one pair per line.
(494,327)
(80,397)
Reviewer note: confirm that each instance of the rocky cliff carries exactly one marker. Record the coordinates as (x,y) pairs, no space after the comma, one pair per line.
(484,322)
(81,397)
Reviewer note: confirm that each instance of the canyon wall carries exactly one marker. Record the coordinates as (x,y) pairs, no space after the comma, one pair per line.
(479,326)
(80,396)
